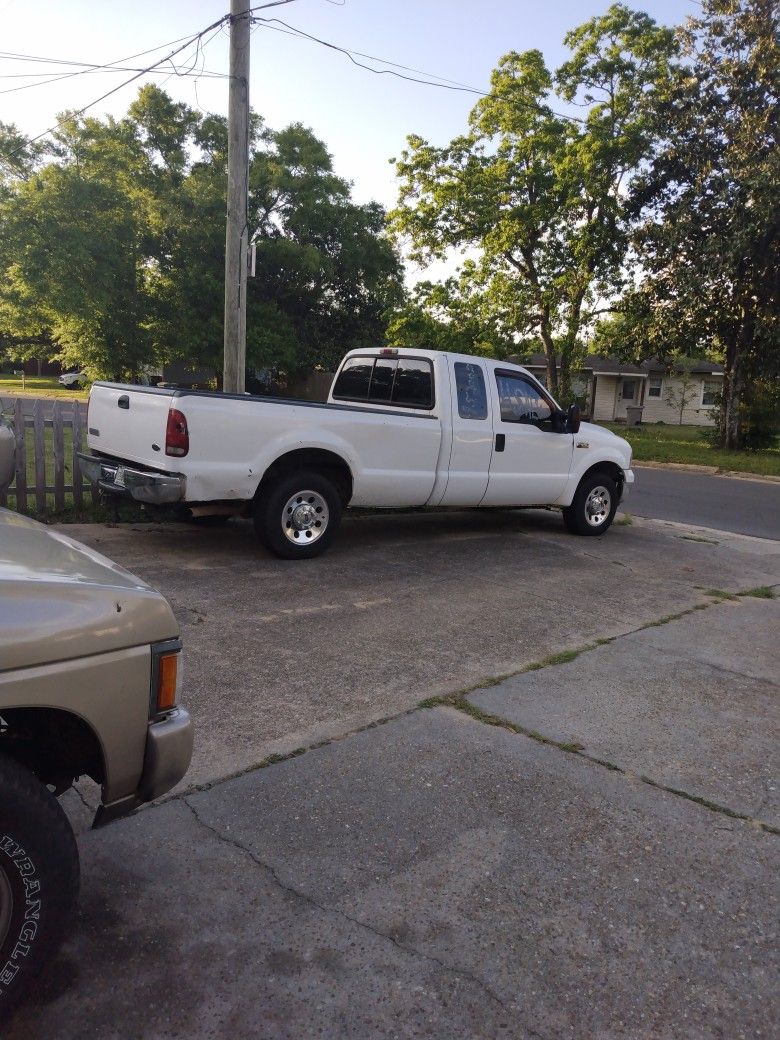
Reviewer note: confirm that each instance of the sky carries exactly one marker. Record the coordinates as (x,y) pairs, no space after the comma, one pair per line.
(363,118)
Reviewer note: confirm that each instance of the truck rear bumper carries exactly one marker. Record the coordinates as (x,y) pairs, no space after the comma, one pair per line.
(140,485)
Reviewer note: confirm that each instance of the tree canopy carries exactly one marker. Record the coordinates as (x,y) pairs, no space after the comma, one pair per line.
(112,245)
(537,195)
(708,239)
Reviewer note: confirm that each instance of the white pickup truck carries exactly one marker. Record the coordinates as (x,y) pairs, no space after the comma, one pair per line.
(401,428)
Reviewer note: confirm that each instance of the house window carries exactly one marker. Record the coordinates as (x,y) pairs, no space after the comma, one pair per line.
(629,389)
(654,385)
(710,392)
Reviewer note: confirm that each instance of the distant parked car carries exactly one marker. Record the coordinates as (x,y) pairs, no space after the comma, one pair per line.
(73,379)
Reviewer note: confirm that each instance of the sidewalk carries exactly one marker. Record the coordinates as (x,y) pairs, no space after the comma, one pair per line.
(523,873)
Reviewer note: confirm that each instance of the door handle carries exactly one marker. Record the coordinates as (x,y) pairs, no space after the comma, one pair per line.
(500,441)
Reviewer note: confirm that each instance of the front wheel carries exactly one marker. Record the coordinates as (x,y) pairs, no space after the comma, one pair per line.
(39,878)
(298,517)
(593,507)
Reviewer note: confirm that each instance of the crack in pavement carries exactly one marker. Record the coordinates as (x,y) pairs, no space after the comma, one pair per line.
(311,901)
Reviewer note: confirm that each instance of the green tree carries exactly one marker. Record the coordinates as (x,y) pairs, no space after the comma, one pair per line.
(452,315)
(115,249)
(540,197)
(709,245)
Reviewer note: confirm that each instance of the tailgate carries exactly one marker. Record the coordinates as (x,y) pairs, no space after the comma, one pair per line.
(129,422)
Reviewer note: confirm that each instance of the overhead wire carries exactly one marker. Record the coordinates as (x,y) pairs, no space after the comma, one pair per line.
(432,81)
(142,72)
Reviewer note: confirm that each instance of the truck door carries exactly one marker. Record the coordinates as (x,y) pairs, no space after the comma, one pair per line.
(472,435)
(531,460)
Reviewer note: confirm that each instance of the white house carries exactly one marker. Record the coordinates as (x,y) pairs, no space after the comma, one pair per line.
(609,387)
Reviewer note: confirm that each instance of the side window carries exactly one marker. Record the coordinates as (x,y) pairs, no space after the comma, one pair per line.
(654,384)
(354,378)
(470,387)
(520,400)
(413,386)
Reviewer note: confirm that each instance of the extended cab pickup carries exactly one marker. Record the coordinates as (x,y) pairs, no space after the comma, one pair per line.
(401,428)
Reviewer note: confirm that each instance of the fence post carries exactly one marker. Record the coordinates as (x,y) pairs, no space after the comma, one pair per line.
(21,458)
(59,458)
(77,477)
(40,457)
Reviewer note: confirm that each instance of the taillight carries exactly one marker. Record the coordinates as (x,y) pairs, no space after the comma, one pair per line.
(177,438)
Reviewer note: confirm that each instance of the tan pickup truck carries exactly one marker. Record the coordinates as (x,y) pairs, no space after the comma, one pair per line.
(89,681)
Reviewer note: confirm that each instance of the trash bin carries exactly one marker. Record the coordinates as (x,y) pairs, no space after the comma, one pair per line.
(633,415)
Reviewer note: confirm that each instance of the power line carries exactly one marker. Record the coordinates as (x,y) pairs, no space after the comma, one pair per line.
(196,37)
(432,81)
(55,78)
(84,68)
(142,72)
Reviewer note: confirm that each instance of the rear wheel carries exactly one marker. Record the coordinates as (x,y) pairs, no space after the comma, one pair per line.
(298,516)
(39,878)
(593,507)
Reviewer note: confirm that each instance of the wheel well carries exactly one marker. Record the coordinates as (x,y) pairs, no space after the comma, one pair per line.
(328,463)
(56,745)
(609,469)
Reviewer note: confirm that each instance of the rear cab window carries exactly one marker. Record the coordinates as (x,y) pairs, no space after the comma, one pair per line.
(401,382)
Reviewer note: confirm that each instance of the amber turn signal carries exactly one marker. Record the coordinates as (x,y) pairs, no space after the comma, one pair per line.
(166,681)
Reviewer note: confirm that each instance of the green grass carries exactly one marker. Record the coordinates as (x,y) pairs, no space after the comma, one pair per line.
(38,386)
(689,445)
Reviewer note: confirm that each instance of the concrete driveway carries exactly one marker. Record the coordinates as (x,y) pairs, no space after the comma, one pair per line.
(575,835)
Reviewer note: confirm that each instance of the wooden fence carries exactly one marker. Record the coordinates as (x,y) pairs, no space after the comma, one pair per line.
(48,434)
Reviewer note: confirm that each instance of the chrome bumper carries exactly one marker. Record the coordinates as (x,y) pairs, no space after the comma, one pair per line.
(628,480)
(116,479)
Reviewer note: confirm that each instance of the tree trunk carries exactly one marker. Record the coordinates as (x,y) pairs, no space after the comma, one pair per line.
(549,353)
(737,350)
(731,422)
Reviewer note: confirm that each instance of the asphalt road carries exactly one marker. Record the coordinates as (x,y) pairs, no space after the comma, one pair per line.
(724,503)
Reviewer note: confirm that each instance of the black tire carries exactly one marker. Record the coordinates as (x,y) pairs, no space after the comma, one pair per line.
(39,878)
(592,510)
(320,509)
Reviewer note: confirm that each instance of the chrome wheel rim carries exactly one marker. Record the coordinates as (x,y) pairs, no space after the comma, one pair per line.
(6,906)
(597,506)
(305,518)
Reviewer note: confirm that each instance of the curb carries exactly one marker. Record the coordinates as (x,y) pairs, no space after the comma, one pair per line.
(713,471)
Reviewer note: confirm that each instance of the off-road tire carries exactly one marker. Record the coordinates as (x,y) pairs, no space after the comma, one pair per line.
(39,878)
(272,508)
(580,518)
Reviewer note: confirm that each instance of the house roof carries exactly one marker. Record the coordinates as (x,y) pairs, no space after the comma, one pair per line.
(603,365)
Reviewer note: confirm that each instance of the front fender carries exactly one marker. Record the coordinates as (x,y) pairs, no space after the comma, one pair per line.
(585,461)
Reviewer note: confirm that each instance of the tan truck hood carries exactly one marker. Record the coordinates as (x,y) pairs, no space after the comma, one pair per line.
(61,600)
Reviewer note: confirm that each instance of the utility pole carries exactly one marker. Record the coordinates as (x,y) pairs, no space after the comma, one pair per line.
(237,237)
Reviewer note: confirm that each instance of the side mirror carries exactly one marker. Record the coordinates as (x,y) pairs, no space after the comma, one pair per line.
(573,418)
